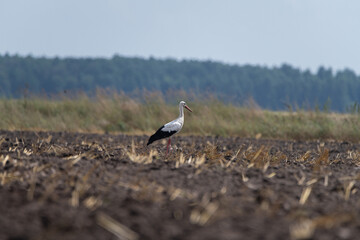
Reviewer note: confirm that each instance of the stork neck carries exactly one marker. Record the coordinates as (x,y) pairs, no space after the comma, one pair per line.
(181,111)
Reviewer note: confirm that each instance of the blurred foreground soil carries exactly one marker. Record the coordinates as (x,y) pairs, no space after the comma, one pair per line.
(88,186)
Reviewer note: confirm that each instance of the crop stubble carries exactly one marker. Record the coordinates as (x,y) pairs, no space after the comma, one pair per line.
(88,186)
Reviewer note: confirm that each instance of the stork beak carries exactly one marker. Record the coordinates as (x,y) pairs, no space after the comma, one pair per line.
(188,108)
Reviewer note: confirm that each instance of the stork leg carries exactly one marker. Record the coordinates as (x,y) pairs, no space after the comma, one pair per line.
(168,145)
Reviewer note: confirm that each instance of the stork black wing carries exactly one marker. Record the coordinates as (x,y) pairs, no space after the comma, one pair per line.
(160,135)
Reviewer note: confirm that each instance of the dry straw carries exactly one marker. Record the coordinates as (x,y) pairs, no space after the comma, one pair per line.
(119,230)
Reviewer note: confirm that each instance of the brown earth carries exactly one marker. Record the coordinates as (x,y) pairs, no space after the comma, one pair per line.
(88,186)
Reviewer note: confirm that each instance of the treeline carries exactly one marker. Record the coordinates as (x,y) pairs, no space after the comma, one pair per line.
(271,88)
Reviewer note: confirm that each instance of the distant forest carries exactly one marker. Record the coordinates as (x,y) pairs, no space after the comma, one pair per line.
(275,88)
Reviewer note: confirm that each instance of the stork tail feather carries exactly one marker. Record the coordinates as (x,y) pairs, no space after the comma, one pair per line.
(159,135)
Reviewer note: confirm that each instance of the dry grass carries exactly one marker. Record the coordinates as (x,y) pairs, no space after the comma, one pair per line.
(120,113)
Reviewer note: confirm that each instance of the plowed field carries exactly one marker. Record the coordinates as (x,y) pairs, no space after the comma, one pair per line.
(89,186)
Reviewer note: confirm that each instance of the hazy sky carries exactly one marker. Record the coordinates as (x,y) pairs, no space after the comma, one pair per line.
(303,33)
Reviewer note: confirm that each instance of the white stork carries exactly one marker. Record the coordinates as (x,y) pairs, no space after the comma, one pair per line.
(170,128)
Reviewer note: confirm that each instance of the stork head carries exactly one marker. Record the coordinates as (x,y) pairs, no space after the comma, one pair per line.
(183,104)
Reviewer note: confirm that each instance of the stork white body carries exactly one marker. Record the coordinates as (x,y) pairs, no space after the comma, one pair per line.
(171,128)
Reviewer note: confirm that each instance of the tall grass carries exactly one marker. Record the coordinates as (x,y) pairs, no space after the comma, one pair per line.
(121,113)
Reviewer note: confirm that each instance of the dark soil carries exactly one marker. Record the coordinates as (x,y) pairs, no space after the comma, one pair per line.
(67,186)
